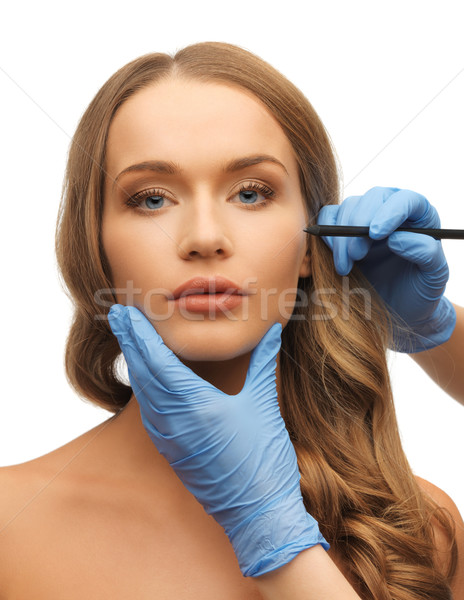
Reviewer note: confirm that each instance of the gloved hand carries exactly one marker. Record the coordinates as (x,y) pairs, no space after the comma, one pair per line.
(408,270)
(232,452)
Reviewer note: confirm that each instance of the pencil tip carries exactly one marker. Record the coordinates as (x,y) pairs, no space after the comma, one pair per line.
(313,229)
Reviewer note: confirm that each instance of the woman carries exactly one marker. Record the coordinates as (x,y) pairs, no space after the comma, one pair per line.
(234,162)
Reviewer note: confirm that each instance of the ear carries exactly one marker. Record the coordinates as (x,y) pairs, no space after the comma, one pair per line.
(305,266)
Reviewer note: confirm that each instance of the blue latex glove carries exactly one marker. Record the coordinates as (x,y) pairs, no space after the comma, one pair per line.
(408,270)
(232,452)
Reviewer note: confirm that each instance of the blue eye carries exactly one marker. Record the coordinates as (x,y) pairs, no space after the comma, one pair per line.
(249,191)
(154,199)
(249,196)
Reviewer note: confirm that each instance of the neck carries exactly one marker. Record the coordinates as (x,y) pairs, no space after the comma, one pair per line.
(137,449)
(226,375)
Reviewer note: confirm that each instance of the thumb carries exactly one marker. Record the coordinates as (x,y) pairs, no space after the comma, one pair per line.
(263,358)
(135,332)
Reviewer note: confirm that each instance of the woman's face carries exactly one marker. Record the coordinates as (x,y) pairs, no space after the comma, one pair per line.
(162,228)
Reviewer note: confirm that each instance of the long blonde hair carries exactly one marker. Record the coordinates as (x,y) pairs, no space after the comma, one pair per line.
(335,390)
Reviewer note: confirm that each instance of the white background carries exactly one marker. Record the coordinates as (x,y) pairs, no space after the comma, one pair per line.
(387,79)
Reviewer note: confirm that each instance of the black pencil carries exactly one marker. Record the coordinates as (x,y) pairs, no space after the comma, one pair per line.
(353,231)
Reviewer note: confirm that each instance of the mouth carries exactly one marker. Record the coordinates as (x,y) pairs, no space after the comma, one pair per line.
(212,303)
(201,294)
(201,286)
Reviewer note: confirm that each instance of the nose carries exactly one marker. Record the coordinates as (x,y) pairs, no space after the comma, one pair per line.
(205,231)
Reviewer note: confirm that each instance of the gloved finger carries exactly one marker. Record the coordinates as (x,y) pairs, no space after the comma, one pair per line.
(354,210)
(358,247)
(364,210)
(402,206)
(347,213)
(263,357)
(328,216)
(160,381)
(359,211)
(362,215)
(342,260)
(140,376)
(136,332)
(423,250)
(117,319)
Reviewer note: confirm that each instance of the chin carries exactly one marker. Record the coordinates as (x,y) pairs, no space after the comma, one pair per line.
(196,352)
(209,344)
(212,341)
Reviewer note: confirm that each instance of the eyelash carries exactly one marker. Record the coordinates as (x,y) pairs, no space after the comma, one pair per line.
(136,200)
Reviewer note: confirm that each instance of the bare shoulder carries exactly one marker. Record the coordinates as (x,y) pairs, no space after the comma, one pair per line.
(22,483)
(19,485)
(443,500)
(14,487)
(30,494)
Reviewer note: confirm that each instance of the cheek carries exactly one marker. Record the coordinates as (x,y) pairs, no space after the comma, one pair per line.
(286,248)
(279,270)
(133,255)
(115,244)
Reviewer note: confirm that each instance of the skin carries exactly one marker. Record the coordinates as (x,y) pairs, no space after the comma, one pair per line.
(443,363)
(105,516)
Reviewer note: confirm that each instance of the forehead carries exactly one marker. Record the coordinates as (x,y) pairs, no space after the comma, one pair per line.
(192,122)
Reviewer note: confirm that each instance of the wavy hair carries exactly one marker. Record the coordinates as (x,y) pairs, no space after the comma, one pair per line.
(335,390)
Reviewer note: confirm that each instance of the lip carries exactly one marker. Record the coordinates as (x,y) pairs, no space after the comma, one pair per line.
(208,286)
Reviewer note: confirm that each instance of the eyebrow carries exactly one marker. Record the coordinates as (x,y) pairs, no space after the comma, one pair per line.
(172,168)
